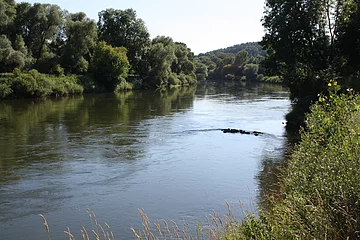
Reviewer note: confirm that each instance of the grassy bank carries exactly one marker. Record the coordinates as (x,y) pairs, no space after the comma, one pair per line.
(321,185)
(35,84)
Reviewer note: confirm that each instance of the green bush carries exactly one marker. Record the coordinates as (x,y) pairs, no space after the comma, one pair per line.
(5,89)
(271,79)
(123,86)
(173,80)
(35,84)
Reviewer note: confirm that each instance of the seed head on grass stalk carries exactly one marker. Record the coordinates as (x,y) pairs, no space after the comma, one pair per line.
(46,226)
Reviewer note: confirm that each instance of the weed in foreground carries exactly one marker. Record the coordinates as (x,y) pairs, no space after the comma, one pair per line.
(97,230)
(215,227)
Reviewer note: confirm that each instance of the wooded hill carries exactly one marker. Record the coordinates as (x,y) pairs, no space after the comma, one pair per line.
(240,62)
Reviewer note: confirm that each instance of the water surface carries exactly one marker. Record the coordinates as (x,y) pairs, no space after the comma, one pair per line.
(160,151)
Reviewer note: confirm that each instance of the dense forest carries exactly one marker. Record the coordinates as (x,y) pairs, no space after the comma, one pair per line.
(45,50)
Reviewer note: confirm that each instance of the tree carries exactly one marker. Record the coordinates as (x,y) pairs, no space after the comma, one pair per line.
(109,65)
(297,43)
(160,57)
(201,70)
(251,71)
(241,58)
(44,23)
(10,58)
(123,28)
(7,14)
(306,42)
(184,61)
(348,39)
(81,35)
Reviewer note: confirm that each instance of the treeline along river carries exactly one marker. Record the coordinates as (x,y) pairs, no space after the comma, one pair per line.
(161,151)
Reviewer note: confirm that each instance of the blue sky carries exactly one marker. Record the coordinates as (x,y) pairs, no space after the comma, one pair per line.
(204,25)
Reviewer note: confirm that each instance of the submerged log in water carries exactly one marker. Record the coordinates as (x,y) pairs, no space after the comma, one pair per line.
(231,130)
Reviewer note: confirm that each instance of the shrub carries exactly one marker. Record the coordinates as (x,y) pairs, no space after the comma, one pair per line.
(173,79)
(35,84)
(123,86)
(5,88)
(272,79)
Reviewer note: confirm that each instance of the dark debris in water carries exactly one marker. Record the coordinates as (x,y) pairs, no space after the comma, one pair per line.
(231,130)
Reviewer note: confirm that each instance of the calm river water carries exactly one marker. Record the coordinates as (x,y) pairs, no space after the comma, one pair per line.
(159,151)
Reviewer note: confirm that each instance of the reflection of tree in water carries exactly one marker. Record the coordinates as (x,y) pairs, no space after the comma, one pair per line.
(44,140)
(25,125)
(247,90)
(45,131)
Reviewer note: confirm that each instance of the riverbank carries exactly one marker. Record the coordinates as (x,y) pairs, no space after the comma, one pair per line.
(320,188)
(36,85)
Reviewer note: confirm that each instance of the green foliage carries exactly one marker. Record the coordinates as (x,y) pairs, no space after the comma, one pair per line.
(110,65)
(160,57)
(201,71)
(81,34)
(310,42)
(53,41)
(123,86)
(5,86)
(251,71)
(230,63)
(10,58)
(321,182)
(122,28)
(7,14)
(43,23)
(174,80)
(35,84)
(271,79)
(348,39)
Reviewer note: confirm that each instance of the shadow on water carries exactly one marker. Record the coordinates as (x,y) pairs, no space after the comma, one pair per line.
(272,167)
(247,90)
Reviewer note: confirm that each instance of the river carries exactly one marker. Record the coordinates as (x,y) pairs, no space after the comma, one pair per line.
(161,151)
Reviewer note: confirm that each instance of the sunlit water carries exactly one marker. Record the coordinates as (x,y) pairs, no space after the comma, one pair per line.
(159,151)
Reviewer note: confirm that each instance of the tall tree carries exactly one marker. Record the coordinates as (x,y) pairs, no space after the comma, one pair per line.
(297,42)
(302,39)
(184,61)
(7,14)
(160,57)
(81,36)
(45,20)
(349,39)
(123,28)
(109,65)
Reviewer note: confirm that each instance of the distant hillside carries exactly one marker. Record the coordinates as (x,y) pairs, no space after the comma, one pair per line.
(253,48)
(239,62)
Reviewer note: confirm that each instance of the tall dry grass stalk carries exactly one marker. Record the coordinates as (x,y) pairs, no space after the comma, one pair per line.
(214,228)
(46,226)
(98,232)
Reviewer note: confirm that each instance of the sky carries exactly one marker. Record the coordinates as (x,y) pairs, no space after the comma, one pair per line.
(204,25)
